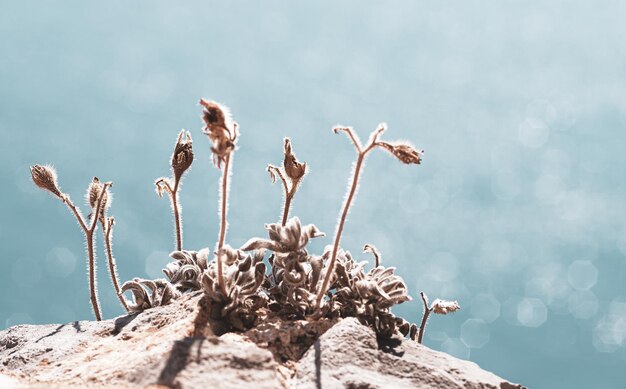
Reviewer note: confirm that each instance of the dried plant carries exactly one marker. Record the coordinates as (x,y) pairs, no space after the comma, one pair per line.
(182,158)
(237,290)
(45,177)
(186,271)
(107,232)
(295,273)
(222,133)
(369,296)
(149,293)
(440,307)
(290,175)
(403,151)
(243,276)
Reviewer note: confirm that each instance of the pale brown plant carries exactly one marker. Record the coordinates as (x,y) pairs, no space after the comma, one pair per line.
(403,151)
(107,230)
(45,177)
(290,175)
(440,307)
(222,133)
(182,158)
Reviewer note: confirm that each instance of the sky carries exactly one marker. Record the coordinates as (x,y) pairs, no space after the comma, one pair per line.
(518,210)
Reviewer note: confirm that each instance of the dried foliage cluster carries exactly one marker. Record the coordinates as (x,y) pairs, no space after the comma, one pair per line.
(273,276)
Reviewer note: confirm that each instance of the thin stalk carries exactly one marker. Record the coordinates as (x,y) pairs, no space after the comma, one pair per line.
(288,198)
(177,223)
(427,312)
(107,229)
(222,236)
(362,153)
(342,220)
(92,276)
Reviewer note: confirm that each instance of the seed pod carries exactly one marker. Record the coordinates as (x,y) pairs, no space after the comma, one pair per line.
(294,169)
(45,177)
(404,152)
(443,307)
(94,190)
(183,155)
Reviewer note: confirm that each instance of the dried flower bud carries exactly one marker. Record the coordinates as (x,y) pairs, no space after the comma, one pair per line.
(45,177)
(183,155)
(93,192)
(220,129)
(294,169)
(404,152)
(443,307)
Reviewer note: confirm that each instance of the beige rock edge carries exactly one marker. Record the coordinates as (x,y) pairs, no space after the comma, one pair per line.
(155,349)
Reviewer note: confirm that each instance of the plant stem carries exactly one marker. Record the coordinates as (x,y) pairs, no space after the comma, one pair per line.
(222,236)
(111,260)
(177,221)
(424,318)
(288,197)
(344,214)
(92,276)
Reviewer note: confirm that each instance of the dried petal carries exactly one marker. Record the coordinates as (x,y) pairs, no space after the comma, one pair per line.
(404,152)
(370,248)
(443,307)
(45,177)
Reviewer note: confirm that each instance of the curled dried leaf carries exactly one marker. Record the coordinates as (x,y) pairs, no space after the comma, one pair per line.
(403,151)
(45,177)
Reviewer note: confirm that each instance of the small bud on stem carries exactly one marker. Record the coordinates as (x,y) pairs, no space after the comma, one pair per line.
(291,175)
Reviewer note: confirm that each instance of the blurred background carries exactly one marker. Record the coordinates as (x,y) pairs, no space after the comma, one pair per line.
(518,210)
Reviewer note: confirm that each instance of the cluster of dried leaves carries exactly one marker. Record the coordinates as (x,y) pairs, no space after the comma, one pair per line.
(240,289)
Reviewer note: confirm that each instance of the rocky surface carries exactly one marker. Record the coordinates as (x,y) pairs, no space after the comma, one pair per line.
(161,348)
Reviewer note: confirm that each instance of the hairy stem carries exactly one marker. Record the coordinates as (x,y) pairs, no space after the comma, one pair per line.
(222,236)
(342,220)
(92,276)
(111,261)
(288,198)
(177,221)
(427,311)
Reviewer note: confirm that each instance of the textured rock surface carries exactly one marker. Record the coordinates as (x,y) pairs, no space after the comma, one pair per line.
(156,347)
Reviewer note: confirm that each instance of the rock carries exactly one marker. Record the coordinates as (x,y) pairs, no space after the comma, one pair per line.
(157,348)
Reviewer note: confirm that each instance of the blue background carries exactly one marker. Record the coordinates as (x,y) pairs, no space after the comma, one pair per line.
(518,210)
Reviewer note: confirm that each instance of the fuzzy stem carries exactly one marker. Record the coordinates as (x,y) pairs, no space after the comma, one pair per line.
(288,197)
(92,276)
(427,312)
(107,229)
(222,236)
(177,217)
(344,214)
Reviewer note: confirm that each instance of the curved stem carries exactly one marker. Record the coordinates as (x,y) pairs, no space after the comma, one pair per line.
(92,276)
(111,261)
(222,236)
(177,221)
(342,220)
(424,318)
